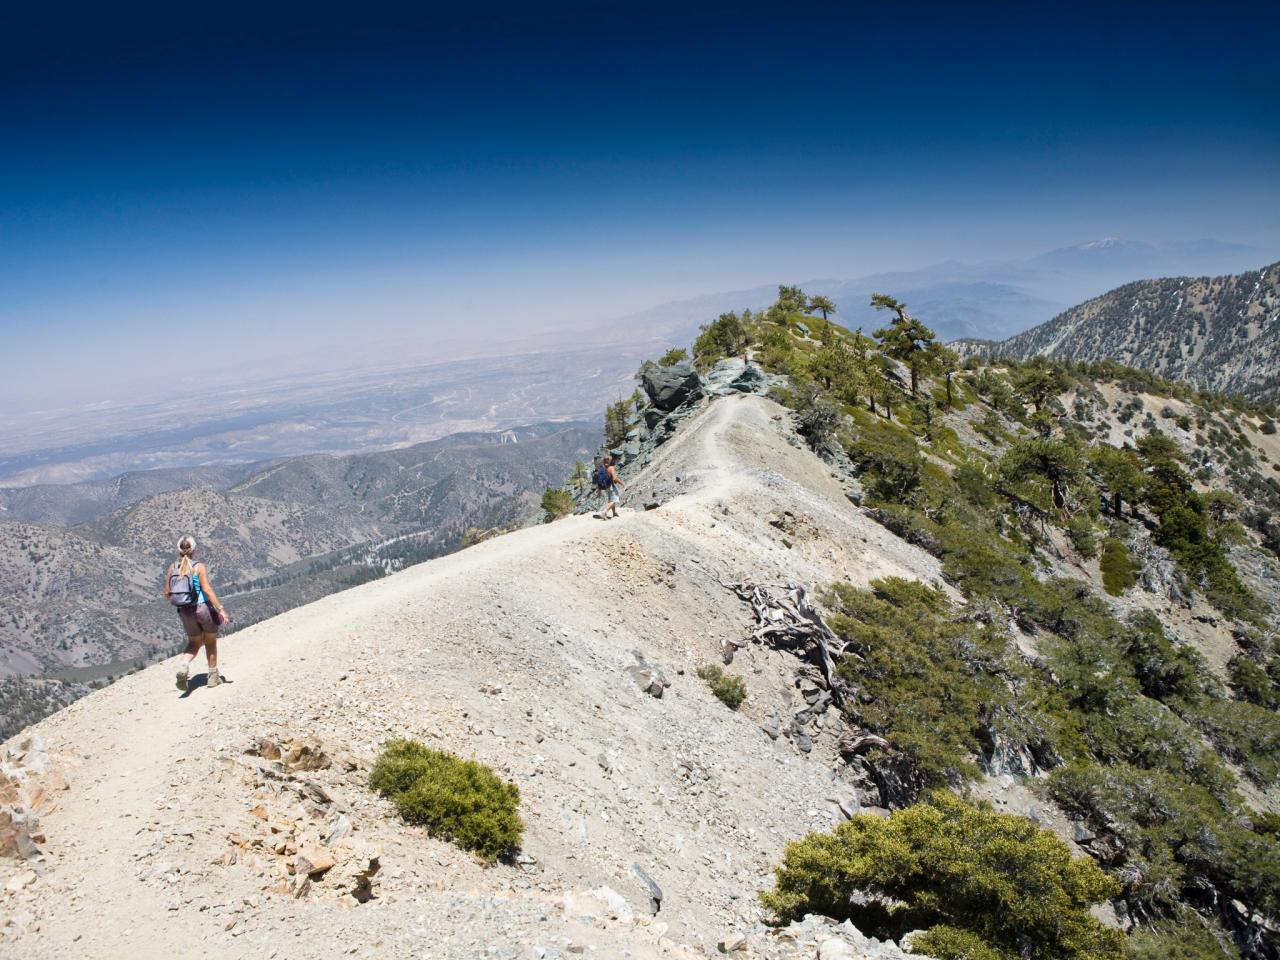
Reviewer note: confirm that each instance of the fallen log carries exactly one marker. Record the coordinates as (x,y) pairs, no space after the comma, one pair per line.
(787,619)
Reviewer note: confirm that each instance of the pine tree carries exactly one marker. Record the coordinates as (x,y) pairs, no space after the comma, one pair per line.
(906,339)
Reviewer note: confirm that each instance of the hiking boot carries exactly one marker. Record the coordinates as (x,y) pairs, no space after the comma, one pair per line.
(214,678)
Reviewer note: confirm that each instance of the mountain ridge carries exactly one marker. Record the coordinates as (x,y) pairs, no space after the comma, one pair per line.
(1220,333)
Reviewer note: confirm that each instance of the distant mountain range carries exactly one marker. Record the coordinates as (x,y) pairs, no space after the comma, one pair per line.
(1220,332)
(988,300)
(385,395)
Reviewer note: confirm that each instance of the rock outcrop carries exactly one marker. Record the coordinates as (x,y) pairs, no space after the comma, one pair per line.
(671,387)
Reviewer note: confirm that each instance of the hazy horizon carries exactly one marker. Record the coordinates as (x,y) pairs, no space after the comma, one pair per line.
(184,195)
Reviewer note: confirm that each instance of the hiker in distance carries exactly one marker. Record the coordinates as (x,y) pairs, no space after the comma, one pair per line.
(188,586)
(610,484)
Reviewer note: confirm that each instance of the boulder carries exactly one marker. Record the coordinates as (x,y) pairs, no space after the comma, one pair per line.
(670,387)
(1003,756)
(655,891)
(835,949)
(603,903)
(751,380)
(647,677)
(800,738)
(340,830)
(312,860)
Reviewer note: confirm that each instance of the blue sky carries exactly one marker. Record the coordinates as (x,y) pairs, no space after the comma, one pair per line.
(349,172)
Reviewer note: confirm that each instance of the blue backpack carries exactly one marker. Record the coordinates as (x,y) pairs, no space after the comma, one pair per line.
(602,478)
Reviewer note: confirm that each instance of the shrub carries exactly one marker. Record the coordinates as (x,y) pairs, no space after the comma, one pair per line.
(458,800)
(1119,569)
(1247,734)
(729,689)
(974,484)
(935,683)
(1168,672)
(945,942)
(556,503)
(1177,837)
(1189,940)
(1252,683)
(982,884)
(889,460)
(818,419)
(725,336)
(1083,537)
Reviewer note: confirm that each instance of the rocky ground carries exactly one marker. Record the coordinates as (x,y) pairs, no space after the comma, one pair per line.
(237,822)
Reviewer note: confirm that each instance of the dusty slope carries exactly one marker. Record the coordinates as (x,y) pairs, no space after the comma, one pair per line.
(513,652)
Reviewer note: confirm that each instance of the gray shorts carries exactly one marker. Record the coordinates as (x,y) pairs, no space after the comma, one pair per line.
(614,494)
(198,620)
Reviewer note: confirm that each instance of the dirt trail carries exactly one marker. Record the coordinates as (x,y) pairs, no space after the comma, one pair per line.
(514,652)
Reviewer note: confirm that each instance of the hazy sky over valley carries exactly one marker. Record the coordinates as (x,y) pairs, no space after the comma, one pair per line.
(214,184)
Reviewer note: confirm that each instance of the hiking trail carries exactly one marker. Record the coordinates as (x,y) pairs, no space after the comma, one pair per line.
(514,652)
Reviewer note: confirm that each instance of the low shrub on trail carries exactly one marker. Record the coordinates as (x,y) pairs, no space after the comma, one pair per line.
(729,689)
(458,800)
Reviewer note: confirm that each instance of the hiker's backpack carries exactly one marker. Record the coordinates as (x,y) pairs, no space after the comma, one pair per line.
(602,478)
(182,588)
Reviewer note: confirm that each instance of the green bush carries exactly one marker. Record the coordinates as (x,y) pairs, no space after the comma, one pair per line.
(889,460)
(1119,569)
(726,336)
(729,689)
(1171,673)
(458,800)
(982,884)
(1185,528)
(1176,836)
(935,682)
(1083,536)
(974,484)
(1189,940)
(556,503)
(1246,734)
(945,942)
(1253,683)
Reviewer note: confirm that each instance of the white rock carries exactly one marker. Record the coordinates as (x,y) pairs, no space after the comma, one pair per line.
(21,881)
(835,949)
(602,903)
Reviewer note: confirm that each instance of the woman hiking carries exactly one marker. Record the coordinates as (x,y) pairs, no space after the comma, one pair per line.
(188,586)
(611,485)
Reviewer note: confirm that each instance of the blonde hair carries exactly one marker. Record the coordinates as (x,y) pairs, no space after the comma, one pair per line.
(186,550)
